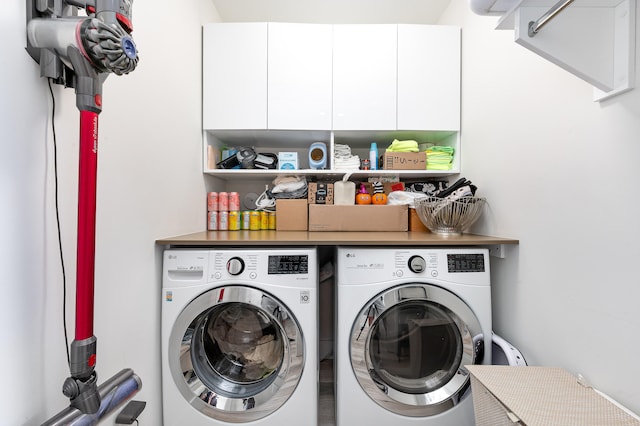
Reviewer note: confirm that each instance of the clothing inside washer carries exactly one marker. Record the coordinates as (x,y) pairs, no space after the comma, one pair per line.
(243,343)
(238,349)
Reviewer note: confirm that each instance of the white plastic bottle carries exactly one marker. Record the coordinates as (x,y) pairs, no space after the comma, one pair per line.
(373,156)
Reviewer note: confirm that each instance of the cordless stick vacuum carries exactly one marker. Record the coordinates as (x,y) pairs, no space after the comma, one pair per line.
(80,52)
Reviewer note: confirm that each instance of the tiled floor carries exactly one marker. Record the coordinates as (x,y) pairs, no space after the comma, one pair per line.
(326,404)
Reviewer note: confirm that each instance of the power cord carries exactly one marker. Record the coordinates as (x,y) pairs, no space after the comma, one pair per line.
(265,201)
(57,210)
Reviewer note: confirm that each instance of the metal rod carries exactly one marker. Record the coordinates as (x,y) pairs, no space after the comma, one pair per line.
(534,26)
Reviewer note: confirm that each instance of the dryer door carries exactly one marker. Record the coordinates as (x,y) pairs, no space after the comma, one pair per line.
(409,346)
(236,353)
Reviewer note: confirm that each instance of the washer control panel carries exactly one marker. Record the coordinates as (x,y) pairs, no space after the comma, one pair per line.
(285,267)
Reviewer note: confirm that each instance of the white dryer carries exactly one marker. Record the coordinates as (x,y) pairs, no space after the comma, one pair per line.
(239,340)
(408,321)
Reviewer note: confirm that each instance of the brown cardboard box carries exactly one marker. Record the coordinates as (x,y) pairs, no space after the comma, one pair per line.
(357,218)
(312,193)
(539,396)
(291,215)
(405,160)
(415,224)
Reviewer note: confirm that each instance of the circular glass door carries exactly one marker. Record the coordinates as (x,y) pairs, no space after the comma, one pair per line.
(409,346)
(236,353)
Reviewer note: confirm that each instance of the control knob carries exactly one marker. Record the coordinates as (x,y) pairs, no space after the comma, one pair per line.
(235,266)
(417,264)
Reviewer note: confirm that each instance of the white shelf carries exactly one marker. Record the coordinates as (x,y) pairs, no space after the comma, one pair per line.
(274,141)
(320,175)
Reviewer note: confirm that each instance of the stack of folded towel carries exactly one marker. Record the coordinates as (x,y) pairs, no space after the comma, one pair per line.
(344,160)
(439,158)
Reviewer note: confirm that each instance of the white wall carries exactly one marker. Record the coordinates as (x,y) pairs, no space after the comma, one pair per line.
(150,185)
(561,174)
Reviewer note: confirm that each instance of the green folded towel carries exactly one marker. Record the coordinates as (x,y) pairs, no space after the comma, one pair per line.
(439,158)
(403,146)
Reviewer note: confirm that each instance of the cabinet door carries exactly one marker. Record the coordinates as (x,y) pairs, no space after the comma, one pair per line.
(299,70)
(428,77)
(235,76)
(364,77)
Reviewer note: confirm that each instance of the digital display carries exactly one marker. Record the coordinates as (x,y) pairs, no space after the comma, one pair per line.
(295,264)
(471,262)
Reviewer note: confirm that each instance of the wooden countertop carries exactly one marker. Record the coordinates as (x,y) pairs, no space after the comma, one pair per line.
(304,238)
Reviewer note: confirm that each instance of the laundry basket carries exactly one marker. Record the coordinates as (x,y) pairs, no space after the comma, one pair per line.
(448,216)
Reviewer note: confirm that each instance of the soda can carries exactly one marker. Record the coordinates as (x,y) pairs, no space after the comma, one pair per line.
(223,202)
(223,221)
(212,221)
(234,201)
(234,220)
(264,220)
(272,220)
(254,220)
(212,201)
(246,220)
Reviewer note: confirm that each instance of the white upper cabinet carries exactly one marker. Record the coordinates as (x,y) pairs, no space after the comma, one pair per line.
(364,77)
(267,76)
(396,77)
(299,76)
(428,77)
(235,76)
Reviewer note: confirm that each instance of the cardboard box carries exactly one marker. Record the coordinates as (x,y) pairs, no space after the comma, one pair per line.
(357,218)
(291,215)
(415,224)
(539,396)
(320,193)
(405,160)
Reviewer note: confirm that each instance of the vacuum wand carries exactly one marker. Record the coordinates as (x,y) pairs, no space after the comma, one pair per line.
(81,387)
(81,52)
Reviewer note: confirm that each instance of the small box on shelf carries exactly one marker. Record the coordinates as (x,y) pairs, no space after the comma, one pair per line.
(320,193)
(291,214)
(288,161)
(405,161)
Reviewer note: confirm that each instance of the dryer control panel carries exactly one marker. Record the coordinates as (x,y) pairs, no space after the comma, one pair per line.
(360,265)
(467,262)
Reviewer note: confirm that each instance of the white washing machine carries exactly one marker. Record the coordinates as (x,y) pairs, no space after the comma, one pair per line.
(239,339)
(408,321)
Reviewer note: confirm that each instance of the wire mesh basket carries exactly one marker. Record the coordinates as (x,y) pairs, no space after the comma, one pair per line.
(447,216)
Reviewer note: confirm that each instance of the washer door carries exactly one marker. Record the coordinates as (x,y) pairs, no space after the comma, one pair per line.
(236,353)
(409,346)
